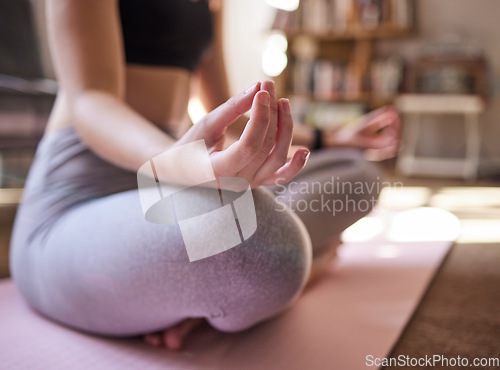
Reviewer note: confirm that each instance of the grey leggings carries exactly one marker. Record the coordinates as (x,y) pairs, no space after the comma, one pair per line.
(83,254)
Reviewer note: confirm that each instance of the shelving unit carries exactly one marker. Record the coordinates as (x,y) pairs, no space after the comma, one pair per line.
(331,50)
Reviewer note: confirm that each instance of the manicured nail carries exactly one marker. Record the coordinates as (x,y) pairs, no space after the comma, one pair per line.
(265,98)
(251,88)
(286,105)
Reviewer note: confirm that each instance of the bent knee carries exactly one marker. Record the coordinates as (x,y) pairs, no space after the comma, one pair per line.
(265,274)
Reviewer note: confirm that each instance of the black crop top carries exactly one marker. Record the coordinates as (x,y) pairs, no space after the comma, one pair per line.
(166,32)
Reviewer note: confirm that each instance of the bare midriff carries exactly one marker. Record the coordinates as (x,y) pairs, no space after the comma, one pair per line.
(159,94)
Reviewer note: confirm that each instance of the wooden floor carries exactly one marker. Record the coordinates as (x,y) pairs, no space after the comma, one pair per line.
(9,198)
(5,228)
(460,313)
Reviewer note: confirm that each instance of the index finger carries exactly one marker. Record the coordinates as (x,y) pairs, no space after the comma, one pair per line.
(376,123)
(241,153)
(228,112)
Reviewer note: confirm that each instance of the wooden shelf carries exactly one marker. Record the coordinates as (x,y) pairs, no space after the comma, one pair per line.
(332,50)
(369,100)
(356,33)
(363,98)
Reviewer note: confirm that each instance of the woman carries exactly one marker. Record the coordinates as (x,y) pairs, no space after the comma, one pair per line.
(82,252)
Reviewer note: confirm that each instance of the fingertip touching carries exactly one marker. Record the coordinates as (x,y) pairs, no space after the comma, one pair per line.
(264,97)
(269,86)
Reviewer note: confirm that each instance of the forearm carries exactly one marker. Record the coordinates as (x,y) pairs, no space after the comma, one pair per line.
(115,132)
(306,136)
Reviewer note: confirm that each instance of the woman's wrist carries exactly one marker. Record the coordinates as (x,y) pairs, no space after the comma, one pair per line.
(317,139)
(336,139)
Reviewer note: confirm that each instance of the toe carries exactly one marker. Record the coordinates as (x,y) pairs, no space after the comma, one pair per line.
(154,339)
(173,338)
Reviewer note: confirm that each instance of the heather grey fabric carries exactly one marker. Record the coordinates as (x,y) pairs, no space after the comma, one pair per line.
(83,254)
(335,189)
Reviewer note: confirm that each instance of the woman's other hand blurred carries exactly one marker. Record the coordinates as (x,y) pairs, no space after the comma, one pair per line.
(378,131)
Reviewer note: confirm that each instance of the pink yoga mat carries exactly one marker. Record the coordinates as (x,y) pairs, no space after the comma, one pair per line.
(358,309)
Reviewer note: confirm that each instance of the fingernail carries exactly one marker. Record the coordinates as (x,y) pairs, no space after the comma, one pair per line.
(272,87)
(265,98)
(286,105)
(305,156)
(251,88)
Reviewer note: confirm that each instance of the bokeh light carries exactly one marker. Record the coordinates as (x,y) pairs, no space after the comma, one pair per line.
(289,5)
(274,58)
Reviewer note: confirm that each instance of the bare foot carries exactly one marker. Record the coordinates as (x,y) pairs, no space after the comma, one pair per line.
(173,338)
(320,263)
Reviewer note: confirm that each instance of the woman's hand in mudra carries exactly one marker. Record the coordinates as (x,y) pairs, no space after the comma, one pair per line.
(260,154)
(378,131)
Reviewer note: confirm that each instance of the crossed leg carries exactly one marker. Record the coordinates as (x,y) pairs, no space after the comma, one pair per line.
(353,188)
